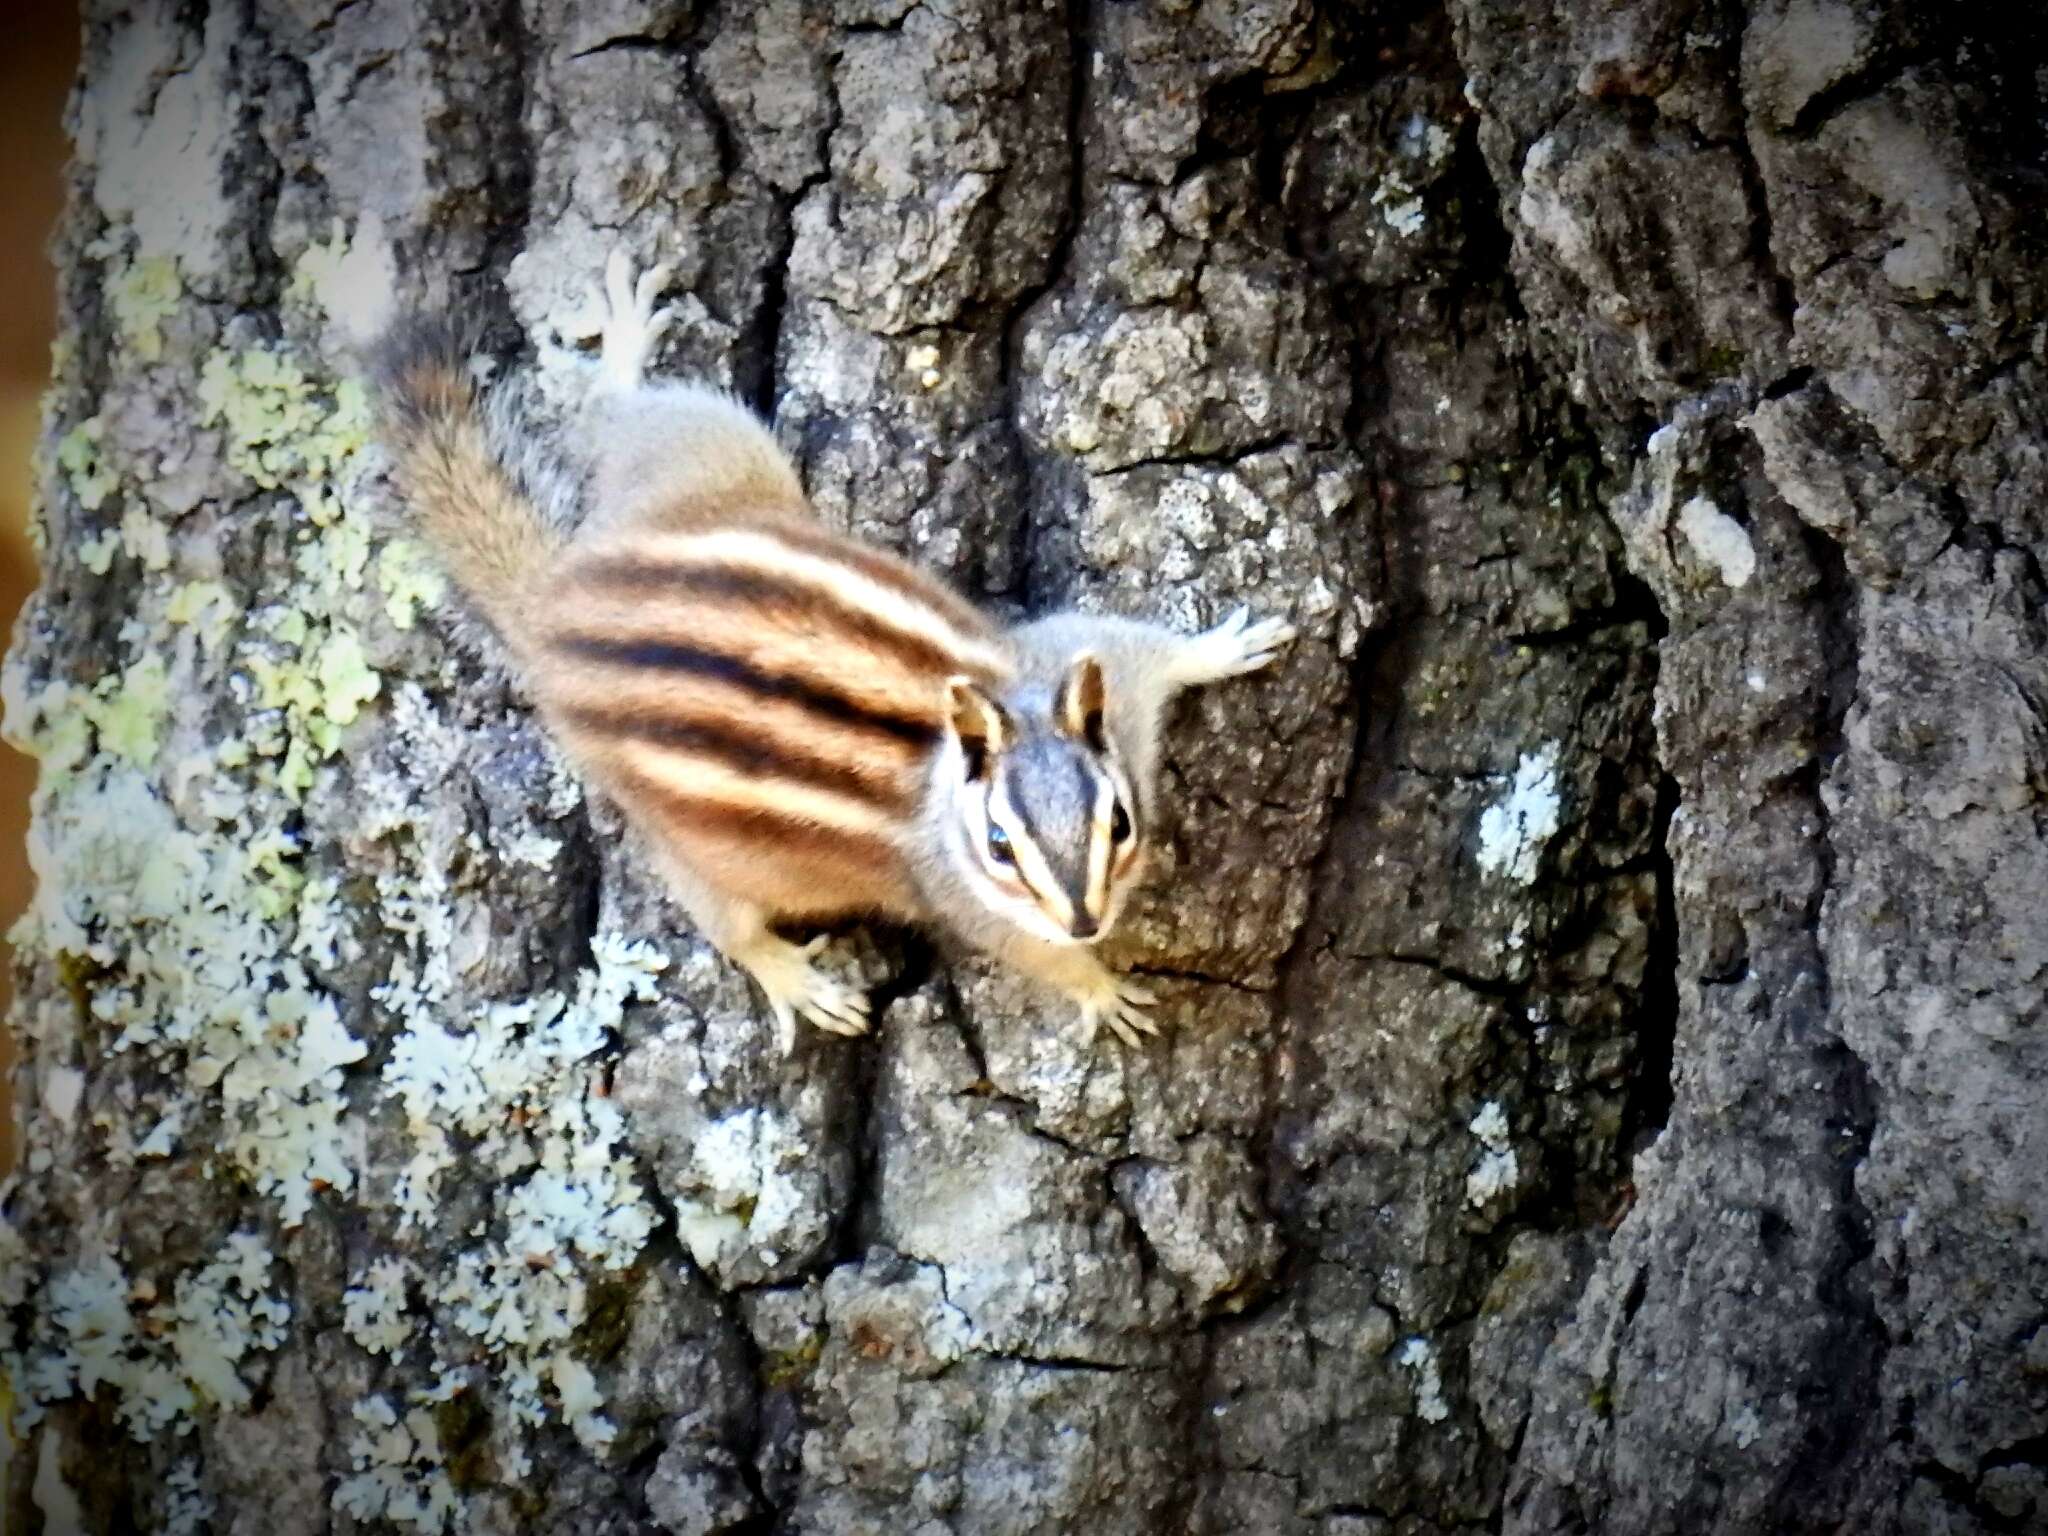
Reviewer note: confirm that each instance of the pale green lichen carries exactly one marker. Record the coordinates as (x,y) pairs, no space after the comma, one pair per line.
(175,885)
(374,1307)
(285,427)
(410,583)
(318,266)
(84,467)
(280,424)
(206,606)
(97,553)
(144,294)
(335,559)
(346,679)
(147,540)
(128,710)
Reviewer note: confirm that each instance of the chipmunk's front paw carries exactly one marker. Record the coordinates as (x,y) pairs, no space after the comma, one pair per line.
(1238,645)
(798,989)
(626,319)
(1120,1003)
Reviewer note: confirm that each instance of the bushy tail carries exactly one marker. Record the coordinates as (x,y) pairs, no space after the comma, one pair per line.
(461,472)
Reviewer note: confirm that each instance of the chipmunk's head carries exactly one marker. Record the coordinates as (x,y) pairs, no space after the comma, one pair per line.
(1045,825)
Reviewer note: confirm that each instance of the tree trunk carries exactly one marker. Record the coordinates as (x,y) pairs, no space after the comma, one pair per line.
(1604,966)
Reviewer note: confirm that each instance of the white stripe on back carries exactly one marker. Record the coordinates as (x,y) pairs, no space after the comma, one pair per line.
(756,550)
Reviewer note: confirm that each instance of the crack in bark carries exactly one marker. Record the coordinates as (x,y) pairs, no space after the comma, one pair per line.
(1036,486)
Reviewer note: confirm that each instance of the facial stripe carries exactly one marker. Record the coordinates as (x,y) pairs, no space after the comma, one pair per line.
(1101,847)
(1032,868)
(1073,894)
(667,656)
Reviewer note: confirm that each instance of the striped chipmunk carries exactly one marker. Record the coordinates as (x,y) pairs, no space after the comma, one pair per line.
(802,728)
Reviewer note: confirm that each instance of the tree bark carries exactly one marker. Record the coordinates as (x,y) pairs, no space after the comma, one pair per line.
(1603,965)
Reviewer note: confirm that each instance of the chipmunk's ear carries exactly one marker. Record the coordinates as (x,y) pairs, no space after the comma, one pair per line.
(1077,711)
(978,723)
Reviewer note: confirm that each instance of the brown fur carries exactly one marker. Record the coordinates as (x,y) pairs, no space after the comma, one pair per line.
(470,507)
(769,731)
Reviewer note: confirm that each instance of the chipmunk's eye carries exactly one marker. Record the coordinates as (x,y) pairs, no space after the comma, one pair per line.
(1119,826)
(999,847)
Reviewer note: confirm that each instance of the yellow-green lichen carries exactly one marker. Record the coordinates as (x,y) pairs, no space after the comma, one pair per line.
(319,269)
(144,294)
(146,540)
(347,681)
(790,1368)
(410,583)
(97,553)
(128,710)
(91,478)
(337,556)
(206,606)
(279,424)
(288,428)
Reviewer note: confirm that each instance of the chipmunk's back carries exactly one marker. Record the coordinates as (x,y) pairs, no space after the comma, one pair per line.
(762,698)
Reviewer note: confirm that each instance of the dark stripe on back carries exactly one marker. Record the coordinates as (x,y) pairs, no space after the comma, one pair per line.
(890,571)
(866,851)
(748,754)
(717,583)
(663,656)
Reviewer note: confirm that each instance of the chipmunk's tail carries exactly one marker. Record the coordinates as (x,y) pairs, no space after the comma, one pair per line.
(481,494)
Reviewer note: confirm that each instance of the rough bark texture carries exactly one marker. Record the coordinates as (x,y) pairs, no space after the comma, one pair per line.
(1604,965)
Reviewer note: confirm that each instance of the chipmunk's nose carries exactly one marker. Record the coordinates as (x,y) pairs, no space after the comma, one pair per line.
(1084,926)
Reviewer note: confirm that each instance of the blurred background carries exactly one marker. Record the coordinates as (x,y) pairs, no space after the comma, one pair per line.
(36,63)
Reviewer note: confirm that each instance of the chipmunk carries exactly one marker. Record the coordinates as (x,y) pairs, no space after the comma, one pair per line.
(801,727)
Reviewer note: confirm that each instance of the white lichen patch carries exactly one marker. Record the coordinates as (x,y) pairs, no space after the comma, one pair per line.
(1718,540)
(1400,205)
(351,281)
(1425,147)
(189,965)
(741,1191)
(399,1473)
(173,899)
(520,1081)
(374,1308)
(1514,832)
(1498,1169)
(163,1363)
(577,1396)
(1490,1125)
(1418,1356)
(188,1510)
